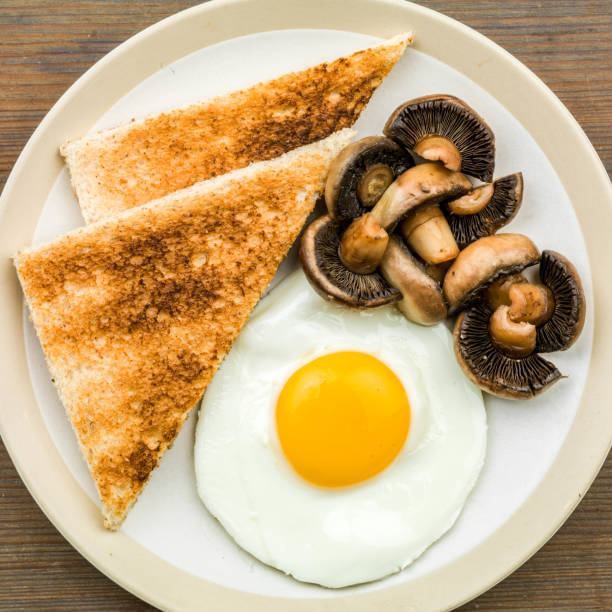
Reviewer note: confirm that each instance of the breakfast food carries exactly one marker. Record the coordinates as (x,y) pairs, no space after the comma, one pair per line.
(405,225)
(331,278)
(361,173)
(148,158)
(135,313)
(485,209)
(444,128)
(499,337)
(327,446)
(483,262)
(422,300)
(412,200)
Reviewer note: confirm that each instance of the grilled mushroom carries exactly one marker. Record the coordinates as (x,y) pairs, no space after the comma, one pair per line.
(444,128)
(491,369)
(498,348)
(429,236)
(483,262)
(331,278)
(361,173)
(484,210)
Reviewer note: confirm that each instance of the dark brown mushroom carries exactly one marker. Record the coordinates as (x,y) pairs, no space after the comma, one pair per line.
(331,278)
(563,327)
(361,173)
(492,370)
(484,210)
(422,300)
(425,184)
(444,128)
(498,348)
(483,262)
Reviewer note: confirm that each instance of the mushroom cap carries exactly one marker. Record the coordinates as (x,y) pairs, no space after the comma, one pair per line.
(329,276)
(483,262)
(567,320)
(427,183)
(501,209)
(490,369)
(351,164)
(422,301)
(450,117)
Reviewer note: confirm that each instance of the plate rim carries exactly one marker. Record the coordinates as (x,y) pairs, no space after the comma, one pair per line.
(118,556)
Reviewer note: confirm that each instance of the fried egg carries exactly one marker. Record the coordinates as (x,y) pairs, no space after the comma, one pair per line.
(337,445)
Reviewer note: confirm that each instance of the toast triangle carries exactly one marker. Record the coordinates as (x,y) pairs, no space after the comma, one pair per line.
(136,313)
(148,158)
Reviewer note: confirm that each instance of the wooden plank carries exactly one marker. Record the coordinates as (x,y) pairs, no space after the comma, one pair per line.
(45,45)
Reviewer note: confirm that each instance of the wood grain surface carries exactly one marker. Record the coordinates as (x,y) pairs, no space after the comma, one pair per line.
(45,45)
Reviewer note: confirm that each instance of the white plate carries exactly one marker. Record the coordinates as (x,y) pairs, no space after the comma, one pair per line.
(169,530)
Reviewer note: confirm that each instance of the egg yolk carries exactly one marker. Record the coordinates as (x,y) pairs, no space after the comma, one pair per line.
(342,418)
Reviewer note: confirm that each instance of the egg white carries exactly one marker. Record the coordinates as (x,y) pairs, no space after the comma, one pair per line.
(336,537)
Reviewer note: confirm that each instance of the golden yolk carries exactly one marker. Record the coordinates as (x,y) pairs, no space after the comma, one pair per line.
(342,418)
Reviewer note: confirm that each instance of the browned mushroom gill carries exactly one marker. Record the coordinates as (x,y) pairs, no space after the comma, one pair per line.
(491,369)
(498,338)
(442,127)
(319,255)
(565,324)
(485,209)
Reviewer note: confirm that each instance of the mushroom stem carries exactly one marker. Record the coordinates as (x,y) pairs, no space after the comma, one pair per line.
(438,148)
(515,339)
(363,244)
(429,235)
(531,303)
(374,183)
(497,294)
(473,201)
(330,278)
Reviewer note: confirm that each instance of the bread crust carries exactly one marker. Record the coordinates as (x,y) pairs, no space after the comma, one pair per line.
(135,313)
(148,158)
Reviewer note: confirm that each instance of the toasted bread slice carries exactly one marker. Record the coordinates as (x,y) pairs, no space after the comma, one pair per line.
(146,159)
(135,313)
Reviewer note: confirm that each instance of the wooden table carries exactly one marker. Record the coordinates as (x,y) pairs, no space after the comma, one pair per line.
(46,45)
